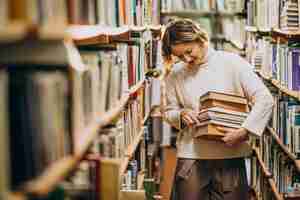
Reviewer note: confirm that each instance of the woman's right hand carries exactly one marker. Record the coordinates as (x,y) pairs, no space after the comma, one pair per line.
(190,117)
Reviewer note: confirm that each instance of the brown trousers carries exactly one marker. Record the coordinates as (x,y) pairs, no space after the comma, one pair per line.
(210,180)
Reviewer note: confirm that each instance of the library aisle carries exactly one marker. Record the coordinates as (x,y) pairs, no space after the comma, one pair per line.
(82,86)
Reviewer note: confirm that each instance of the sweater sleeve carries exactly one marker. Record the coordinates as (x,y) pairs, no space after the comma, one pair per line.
(258,94)
(172,109)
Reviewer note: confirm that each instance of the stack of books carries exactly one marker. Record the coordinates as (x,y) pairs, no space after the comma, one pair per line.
(220,110)
(289,18)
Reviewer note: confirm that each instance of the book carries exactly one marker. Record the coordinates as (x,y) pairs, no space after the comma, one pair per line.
(210,129)
(226,101)
(4,137)
(220,113)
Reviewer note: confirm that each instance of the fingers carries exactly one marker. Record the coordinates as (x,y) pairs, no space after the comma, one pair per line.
(188,120)
(190,117)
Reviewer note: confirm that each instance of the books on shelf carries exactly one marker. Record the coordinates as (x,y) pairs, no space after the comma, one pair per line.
(279,61)
(202,5)
(269,14)
(43,114)
(285,123)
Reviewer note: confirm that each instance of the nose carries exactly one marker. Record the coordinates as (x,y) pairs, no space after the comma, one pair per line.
(188,58)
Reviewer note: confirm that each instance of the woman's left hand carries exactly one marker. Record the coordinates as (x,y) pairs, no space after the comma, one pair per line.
(234,137)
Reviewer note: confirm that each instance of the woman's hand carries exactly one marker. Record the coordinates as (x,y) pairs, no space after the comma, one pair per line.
(190,117)
(234,137)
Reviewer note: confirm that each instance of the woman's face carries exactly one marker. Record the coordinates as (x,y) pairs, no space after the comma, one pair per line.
(192,53)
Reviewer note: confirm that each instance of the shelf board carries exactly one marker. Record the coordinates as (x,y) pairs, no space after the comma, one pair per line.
(134,89)
(274,32)
(276,194)
(251,29)
(200,13)
(55,173)
(91,35)
(13,32)
(18,31)
(284,149)
(294,94)
(286,33)
(292,196)
(268,175)
(16,196)
(133,146)
(131,149)
(265,170)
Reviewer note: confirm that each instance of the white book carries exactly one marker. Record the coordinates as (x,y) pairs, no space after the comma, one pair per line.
(114,85)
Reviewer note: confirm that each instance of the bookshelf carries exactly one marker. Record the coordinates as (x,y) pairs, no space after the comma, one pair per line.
(272,33)
(70,40)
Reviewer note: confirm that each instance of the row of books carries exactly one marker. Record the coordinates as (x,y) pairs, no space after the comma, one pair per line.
(286,122)
(202,5)
(114,141)
(269,14)
(278,61)
(56,12)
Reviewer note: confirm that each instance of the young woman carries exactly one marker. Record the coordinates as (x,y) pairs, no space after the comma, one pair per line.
(209,169)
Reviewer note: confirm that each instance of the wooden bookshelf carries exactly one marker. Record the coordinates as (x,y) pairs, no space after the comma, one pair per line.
(57,171)
(284,149)
(275,83)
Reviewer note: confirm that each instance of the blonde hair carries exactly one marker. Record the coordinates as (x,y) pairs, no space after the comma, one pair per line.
(181,31)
